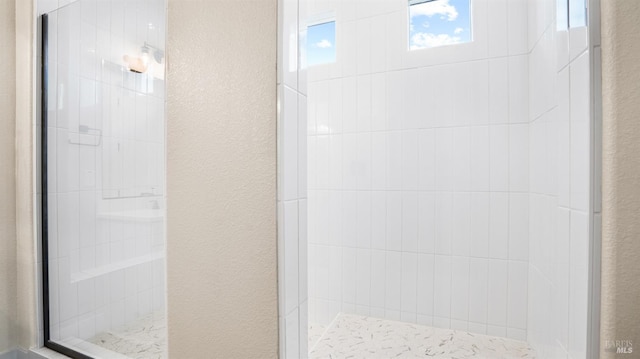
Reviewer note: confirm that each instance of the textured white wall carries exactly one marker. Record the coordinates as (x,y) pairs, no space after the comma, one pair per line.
(221,183)
(621,174)
(8,271)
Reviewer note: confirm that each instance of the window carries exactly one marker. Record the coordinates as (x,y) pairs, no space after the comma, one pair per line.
(321,43)
(570,14)
(434,23)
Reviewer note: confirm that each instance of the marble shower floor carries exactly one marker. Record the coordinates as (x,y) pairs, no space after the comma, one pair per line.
(145,338)
(355,336)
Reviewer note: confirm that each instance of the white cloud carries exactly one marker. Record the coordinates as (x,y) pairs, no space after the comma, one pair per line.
(443,8)
(323,44)
(422,40)
(458,30)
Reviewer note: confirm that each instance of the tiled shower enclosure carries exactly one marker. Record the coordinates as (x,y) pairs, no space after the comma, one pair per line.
(449,186)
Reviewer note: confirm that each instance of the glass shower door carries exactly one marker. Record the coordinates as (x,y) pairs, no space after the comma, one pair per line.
(103,179)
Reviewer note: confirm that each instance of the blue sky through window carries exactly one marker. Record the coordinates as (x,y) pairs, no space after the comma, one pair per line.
(438,23)
(321,43)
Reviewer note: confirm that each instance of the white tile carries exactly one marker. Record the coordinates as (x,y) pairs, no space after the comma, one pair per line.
(478,290)
(289,130)
(396,111)
(303,330)
(460,289)
(291,255)
(363,122)
(335,106)
(363,162)
(320,97)
(394,221)
(479,222)
(378,278)
(378,219)
(426,222)
(498,28)
(303,252)
(349,218)
(378,50)
(350,168)
(292,335)
(517,334)
(333,268)
(68,158)
(578,39)
(68,292)
(499,158)
(393,283)
(496,331)
(517,30)
(424,320)
(409,282)
(477,328)
(394,161)
(444,152)
(443,223)
(440,322)
(499,225)
(68,223)
(442,287)
(519,158)
(580,132)
(517,297)
(461,229)
(289,44)
(564,139)
(518,88)
(410,160)
(349,275)
(427,160)
(378,98)
(332,162)
(363,45)
(414,102)
(498,283)
(479,145)
(461,166)
(87,219)
(396,39)
(349,104)
(519,226)
(378,161)
(363,277)
(302,147)
(424,287)
(409,221)
(363,219)
(335,234)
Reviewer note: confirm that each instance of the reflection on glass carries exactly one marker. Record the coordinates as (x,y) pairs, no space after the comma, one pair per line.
(439,22)
(105,173)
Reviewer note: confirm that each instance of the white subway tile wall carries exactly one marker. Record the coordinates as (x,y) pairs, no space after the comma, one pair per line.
(451,186)
(294,148)
(560,181)
(419,171)
(105,166)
